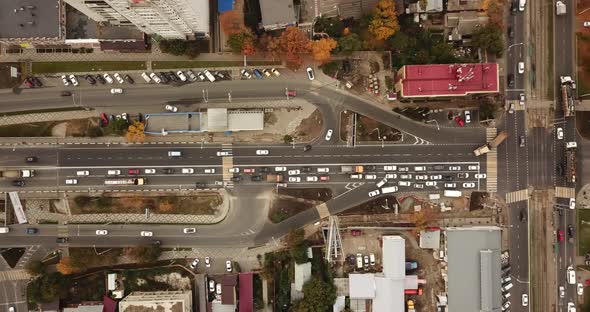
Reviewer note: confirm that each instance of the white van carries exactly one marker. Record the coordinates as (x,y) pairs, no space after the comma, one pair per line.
(209,76)
(390,189)
(381,183)
(174,153)
(82,173)
(4,230)
(506,287)
(571,275)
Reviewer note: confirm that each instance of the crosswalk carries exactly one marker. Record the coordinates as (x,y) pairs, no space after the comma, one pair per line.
(565,192)
(492,162)
(227,163)
(517,196)
(14,275)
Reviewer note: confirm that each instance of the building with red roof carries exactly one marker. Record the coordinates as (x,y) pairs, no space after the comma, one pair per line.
(445,80)
(246,292)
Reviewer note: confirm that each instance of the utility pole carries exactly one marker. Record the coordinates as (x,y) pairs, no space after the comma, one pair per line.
(229,96)
(206,96)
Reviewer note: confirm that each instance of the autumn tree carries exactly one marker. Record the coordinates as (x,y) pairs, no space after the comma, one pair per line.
(135,132)
(495,10)
(231,22)
(423,218)
(165,206)
(383,23)
(66,266)
(242,43)
(294,44)
(321,49)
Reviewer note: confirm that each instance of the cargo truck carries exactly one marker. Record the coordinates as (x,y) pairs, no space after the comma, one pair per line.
(352,169)
(560,8)
(274,178)
(492,144)
(17,173)
(125,181)
(570,161)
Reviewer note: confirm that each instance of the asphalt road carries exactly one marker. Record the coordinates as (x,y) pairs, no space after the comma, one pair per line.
(515,53)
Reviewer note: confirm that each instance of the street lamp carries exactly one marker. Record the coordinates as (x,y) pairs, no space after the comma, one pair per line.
(435,121)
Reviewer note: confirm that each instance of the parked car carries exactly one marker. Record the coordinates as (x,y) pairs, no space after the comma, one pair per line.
(521,67)
(181,75)
(171,108)
(459,121)
(100,79)
(73,80)
(191,75)
(275,72)
(194,264)
(108,78)
(291,93)
(129,79)
(467,117)
(310,74)
(228,266)
(64,79)
(329,134)
(90,79)
(118,78)
(560,133)
(155,78)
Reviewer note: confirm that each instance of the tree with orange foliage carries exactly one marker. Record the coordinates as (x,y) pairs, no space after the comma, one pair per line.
(423,218)
(66,266)
(135,132)
(321,49)
(383,23)
(242,43)
(231,22)
(294,44)
(495,10)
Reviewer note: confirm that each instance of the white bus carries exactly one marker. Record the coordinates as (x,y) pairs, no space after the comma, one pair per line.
(452,193)
(390,189)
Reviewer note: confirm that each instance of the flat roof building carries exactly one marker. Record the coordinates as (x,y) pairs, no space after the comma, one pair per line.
(277,14)
(446,80)
(474,271)
(162,301)
(213,120)
(29,21)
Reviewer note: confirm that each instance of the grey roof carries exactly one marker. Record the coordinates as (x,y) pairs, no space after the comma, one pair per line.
(277,13)
(362,286)
(390,294)
(302,274)
(32,19)
(474,272)
(394,257)
(217,119)
(239,120)
(430,239)
(85,308)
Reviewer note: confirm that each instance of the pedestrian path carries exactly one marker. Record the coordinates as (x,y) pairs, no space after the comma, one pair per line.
(14,275)
(492,162)
(28,254)
(517,196)
(565,192)
(227,164)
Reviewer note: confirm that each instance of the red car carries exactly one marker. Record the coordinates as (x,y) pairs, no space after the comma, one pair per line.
(249,170)
(460,121)
(325,178)
(291,93)
(560,235)
(133,171)
(103,118)
(356,232)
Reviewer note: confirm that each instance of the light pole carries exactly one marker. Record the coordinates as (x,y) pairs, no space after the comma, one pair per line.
(229,96)
(436,122)
(287,93)
(206,96)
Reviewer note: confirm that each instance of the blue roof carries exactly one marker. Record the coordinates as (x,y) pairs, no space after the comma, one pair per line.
(225,5)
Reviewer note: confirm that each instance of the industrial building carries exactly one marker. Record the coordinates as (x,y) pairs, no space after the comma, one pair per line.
(213,120)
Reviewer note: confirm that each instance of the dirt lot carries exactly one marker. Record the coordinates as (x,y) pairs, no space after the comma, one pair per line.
(203,204)
(291,201)
(72,128)
(583,44)
(155,279)
(429,269)
(582,123)
(7,82)
(367,129)
(310,127)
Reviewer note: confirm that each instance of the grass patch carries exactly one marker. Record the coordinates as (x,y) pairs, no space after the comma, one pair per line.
(209,64)
(87,288)
(39,111)
(583,231)
(203,204)
(69,67)
(36,129)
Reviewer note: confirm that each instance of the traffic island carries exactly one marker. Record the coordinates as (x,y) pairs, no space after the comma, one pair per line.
(291,201)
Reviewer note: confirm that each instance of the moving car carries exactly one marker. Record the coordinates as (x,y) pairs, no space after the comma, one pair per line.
(32,231)
(189,230)
(102,232)
(560,133)
(311,179)
(146,233)
(194,264)
(560,235)
(310,74)
(228,266)
(329,134)
(467,116)
(389,168)
(294,172)
(510,79)
(116,91)
(290,93)
(113,172)
(436,177)
(374,193)
(370,176)
(463,175)
(455,168)
(561,291)
(430,183)
(521,99)
(468,185)
(521,141)
(571,307)
(278,169)
(171,108)
(188,170)
(71,181)
(421,177)
(473,167)
(323,170)
(133,171)
(262,152)
(31,159)
(210,170)
(211,285)
(18,183)
(223,153)
(521,67)
(149,171)
(82,173)
(294,179)
(525,300)
(580,289)
(381,183)
(480,175)
(450,185)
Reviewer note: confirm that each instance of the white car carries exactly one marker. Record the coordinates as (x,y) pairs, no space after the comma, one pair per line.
(473,167)
(223,153)
(113,172)
(194,264)
(430,183)
(188,170)
(374,193)
(171,108)
(405,176)
(455,168)
(391,176)
(381,183)
(521,99)
(146,77)
(421,177)
(207,262)
(586,24)
(525,300)
(146,233)
(329,135)
(201,76)
(419,185)
(118,78)
(467,116)
(311,179)
(275,72)
(102,232)
(210,170)
(294,179)
(404,183)
(245,73)
(124,116)
(181,75)
(521,67)
(191,75)
(580,289)
(218,289)
(149,171)
(323,170)
(261,152)
(71,181)
(561,291)
(571,307)
(294,172)
(389,168)
(108,78)
(450,185)
(189,230)
(370,177)
(480,175)
(436,177)
(468,185)
(155,78)
(560,133)
(310,74)
(279,169)
(83,173)
(234,170)
(228,266)
(404,168)
(65,80)
(572,203)
(116,91)
(211,285)
(74,80)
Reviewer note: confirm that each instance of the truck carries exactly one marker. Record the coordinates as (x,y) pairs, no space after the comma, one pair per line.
(25,173)
(560,8)
(570,161)
(492,144)
(276,178)
(411,307)
(125,181)
(568,85)
(452,193)
(351,169)
(411,265)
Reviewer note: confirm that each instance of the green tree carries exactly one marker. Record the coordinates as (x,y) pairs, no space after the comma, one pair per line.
(489,38)
(117,126)
(236,41)
(288,139)
(94,132)
(350,43)
(144,254)
(317,296)
(299,252)
(174,46)
(48,287)
(34,267)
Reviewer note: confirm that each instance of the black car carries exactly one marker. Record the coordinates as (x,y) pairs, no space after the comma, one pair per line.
(37,82)
(201,185)
(307,148)
(570,231)
(172,76)
(306,169)
(264,169)
(31,159)
(522,215)
(90,80)
(100,79)
(62,240)
(32,231)
(156,242)
(256,178)
(18,183)
(66,93)
(164,77)
(168,170)
(236,179)
(511,80)
(371,167)
(447,178)
(129,79)
(510,32)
